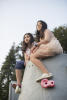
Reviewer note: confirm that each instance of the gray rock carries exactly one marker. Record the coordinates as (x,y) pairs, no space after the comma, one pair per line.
(31,90)
(12,94)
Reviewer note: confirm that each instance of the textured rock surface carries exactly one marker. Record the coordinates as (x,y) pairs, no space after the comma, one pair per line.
(31,90)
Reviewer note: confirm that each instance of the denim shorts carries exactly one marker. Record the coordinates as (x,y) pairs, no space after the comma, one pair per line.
(20,65)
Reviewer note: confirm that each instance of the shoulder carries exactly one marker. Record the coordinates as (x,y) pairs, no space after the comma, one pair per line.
(47,31)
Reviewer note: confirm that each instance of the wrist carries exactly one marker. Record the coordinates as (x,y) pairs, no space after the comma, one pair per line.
(35,44)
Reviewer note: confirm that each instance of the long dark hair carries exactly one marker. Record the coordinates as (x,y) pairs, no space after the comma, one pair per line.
(40,34)
(24,45)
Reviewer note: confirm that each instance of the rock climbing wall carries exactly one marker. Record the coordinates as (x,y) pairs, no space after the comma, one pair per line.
(31,90)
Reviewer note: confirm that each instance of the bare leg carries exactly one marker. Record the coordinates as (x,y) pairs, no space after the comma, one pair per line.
(38,63)
(18,76)
(40,54)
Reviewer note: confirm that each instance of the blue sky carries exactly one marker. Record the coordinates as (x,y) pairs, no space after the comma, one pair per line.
(20,16)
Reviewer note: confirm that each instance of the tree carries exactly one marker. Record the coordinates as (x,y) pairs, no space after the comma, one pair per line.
(8,72)
(0,87)
(61,34)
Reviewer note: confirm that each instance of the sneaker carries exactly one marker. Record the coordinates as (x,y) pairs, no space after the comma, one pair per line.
(18,89)
(14,85)
(44,76)
(50,74)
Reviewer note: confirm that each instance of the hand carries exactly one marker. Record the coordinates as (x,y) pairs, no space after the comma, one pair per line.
(33,49)
(38,44)
(27,57)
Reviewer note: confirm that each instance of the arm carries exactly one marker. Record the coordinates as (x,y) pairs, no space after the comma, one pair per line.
(33,49)
(27,58)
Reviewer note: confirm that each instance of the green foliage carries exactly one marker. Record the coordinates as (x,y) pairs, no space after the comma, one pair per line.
(8,71)
(61,34)
(0,86)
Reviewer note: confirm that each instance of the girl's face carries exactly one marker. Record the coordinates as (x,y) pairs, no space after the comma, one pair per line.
(39,26)
(27,38)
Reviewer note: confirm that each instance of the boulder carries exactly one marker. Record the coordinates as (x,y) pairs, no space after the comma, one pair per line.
(31,90)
